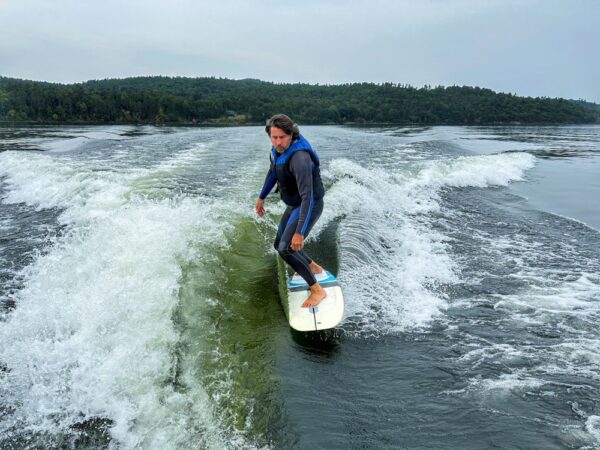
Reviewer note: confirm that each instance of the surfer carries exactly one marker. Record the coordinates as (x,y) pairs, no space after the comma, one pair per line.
(295,170)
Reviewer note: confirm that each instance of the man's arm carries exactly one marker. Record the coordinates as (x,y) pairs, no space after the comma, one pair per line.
(270,181)
(268,184)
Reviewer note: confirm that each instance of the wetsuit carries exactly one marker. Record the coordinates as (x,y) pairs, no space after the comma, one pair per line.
(296,172)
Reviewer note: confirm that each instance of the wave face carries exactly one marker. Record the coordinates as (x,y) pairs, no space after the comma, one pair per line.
(140,306)
(94,337)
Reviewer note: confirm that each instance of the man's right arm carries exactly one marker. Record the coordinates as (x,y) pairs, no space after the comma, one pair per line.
(268,185)
(270,181)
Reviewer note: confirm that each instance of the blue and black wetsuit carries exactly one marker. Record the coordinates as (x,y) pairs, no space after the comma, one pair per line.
(297,175)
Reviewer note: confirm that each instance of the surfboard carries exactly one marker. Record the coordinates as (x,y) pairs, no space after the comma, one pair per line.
(325,315)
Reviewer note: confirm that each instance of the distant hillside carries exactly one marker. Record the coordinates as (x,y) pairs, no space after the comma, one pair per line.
(217,100)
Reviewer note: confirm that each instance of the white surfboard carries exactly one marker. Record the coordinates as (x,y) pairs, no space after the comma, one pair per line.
(326,314)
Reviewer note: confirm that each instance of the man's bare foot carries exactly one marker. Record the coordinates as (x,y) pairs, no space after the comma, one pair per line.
(317,295)
(315,268)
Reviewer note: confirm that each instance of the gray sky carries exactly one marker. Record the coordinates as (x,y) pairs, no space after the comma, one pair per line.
(529,47)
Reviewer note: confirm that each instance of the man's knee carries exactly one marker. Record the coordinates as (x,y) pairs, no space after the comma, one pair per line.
(283,248)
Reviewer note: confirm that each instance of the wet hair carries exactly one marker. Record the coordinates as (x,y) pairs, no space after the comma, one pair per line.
(285,124)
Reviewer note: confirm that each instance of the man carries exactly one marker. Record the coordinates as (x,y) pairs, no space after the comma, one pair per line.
(295,170)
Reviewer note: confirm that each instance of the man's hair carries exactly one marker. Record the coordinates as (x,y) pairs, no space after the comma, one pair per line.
(285,124)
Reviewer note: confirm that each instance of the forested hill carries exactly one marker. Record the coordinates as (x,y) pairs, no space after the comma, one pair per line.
(218,100)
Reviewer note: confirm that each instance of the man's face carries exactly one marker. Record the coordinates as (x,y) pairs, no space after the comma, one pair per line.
(280,140)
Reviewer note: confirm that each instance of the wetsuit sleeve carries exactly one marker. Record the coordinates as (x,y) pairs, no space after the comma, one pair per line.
(269,183)
(301,166)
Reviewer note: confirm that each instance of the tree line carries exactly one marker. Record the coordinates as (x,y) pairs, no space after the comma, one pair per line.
(210,100)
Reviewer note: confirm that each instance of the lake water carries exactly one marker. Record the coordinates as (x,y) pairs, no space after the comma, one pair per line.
(140,306)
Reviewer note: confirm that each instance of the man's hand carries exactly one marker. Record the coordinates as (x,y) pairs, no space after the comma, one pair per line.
(260,207)
(297,242)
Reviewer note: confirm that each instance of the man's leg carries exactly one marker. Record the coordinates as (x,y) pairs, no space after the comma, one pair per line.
(295,259)
(282,224)
(315,215)
(298,260)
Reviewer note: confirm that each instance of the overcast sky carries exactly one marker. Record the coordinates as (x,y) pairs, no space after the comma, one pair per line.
(529,47)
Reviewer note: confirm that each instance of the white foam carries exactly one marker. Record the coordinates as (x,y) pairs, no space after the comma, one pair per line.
(592,426)
(501,386)
(476,171)
(388,260)
(6,224)
(64,145)
(510,382)
(92,334)
(567,309)
(44,182)
(161,179)
(184,159)
(544,301)
(393,261)
(72,138)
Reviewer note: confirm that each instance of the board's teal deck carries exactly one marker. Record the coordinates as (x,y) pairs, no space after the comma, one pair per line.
(328,278)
